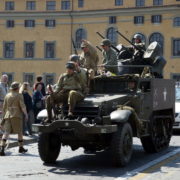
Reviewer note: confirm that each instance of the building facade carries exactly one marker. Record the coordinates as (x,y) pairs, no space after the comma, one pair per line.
(36,35)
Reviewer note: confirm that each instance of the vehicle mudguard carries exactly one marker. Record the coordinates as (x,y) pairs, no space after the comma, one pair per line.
(120,115)
(42,114)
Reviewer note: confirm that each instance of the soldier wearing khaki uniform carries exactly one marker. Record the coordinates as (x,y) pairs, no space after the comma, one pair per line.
(89,58)
(109,57)
(69,90)
(13,109)
(81,72)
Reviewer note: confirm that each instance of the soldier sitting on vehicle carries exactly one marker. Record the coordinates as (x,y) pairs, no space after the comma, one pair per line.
(109,57)
(83,73)
(88,58)
(69,89)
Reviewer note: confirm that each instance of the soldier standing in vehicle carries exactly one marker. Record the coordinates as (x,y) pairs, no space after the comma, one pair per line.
(138,42)
(109,57)
(89,58)
(13,110)
(69,89)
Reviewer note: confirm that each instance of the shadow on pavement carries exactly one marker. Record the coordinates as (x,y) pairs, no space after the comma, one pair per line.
(99,164)
(8,153)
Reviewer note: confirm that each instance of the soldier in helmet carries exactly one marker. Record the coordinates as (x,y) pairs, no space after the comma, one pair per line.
(88,58)
(69,90)
(109,57)
(83,73)
(138,41)
(138,51)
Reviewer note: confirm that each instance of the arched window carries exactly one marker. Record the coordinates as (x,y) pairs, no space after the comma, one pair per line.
(176,21)
(80,34)
(143,38)
(157,37)
(112,35)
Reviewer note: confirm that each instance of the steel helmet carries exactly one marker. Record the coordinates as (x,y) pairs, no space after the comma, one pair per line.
(74,58)
(138,36)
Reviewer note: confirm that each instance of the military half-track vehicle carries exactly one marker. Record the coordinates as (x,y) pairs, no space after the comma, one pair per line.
(117,109)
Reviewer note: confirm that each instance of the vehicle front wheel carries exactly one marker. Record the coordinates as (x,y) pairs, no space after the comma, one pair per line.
(122,145)
(49,146)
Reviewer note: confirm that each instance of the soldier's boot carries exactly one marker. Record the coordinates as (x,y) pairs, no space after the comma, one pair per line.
(2,153)
(49,118)
(49,110)
(2,147)
(70,113)
(21,148)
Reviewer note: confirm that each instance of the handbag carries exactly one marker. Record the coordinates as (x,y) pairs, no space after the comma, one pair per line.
(39,104)
(2,121)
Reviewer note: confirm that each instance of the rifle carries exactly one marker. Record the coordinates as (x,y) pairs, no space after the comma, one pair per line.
(99,48)
(114,47)
(136,47)
(74,46)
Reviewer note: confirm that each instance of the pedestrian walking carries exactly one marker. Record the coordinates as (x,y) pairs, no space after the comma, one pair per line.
(27,125)
(13,110)
(3,92)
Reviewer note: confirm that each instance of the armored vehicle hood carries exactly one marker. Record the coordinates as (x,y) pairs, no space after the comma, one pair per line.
(98,99)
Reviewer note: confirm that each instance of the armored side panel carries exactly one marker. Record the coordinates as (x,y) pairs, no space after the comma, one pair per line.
(163,94)
(155,95)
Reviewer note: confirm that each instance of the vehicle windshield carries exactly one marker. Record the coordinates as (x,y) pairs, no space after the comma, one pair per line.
(178,93)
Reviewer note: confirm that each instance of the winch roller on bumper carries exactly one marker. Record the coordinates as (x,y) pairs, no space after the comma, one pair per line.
(75,126)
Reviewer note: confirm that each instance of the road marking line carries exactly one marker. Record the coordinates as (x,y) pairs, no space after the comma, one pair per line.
(147,172)
(148,166)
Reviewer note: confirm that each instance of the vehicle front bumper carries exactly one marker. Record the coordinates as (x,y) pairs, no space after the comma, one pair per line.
(74,125)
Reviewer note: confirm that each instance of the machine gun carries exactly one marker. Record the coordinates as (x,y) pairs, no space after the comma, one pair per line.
(114,47)
(74,46)
(136,47)
(99,48)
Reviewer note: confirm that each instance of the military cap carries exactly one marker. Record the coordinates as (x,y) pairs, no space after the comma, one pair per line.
(70,65)
(74,58)
(83,45)
(105,42)
(15,85)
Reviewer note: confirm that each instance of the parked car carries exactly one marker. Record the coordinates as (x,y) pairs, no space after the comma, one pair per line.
(176,125)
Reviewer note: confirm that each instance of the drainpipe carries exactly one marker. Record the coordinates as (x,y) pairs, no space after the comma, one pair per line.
(71,24)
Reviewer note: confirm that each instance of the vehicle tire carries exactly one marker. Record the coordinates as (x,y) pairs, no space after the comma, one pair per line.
(49,146)
(160,135)
(122,145)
